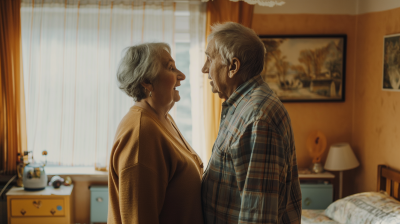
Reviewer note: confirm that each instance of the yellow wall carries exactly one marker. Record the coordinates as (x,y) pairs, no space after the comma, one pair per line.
(333,119)
(376,135)
(369,119)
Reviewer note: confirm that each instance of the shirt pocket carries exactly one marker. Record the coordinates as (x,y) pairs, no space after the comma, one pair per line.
(220,162)
(224,141)
(252,202)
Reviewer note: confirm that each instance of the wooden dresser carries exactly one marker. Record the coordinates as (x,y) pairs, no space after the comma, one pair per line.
(48,206)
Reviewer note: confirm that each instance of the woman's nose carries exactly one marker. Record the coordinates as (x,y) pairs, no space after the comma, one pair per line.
(181,76)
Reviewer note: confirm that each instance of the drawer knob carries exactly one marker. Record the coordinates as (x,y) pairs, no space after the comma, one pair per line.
(52,211)
(23,212)
(37,204)
(307,201)
(99,199)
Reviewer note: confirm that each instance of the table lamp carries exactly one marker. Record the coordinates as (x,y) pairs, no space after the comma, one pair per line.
(340,158)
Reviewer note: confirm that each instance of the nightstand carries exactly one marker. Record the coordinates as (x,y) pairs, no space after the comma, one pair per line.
(316,189)
(48,206)
(98,204)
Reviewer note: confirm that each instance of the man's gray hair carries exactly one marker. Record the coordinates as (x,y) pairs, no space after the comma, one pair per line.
(141,63)
(235,40)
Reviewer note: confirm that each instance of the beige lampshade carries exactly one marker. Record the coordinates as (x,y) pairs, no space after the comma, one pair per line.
(341,157)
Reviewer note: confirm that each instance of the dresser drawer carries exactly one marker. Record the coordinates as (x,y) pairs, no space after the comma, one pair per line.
(37,207)
(39,220)
(316,196)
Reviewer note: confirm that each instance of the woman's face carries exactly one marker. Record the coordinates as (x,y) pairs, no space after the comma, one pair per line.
(168,79)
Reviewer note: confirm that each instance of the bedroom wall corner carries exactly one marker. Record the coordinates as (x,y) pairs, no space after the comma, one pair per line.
(333,119)
(376,125)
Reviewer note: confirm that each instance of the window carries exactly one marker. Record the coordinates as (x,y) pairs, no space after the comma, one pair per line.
(71,52)
(182,112)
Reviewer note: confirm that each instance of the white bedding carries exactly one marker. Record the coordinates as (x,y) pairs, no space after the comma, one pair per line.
(310,216)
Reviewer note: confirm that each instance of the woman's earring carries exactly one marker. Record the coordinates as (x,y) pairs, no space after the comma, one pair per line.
(150,94)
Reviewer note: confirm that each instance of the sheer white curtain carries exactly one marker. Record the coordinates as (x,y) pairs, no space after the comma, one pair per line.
(71,50)
(197,20)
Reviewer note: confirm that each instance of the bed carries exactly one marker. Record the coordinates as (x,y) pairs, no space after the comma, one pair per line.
(382,206)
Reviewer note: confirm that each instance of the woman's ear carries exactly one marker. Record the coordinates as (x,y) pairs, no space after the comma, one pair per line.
(234,67)
(147,85)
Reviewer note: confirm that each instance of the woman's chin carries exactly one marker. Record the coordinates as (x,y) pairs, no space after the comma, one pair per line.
(176,96)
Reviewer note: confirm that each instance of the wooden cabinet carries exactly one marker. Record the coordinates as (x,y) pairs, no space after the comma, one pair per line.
(37,207)
(46,206)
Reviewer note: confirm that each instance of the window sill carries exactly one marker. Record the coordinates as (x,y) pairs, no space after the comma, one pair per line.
(77,173)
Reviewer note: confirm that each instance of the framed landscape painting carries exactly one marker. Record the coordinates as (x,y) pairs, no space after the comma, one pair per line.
(391,63)
(306,68)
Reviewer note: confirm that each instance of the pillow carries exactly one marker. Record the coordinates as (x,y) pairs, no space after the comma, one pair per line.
(368,207)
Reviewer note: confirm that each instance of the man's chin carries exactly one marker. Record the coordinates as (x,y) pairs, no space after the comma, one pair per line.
(216,92)
(221,96)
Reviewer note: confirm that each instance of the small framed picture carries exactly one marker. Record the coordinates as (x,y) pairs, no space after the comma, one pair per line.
(306,68)
(391,63)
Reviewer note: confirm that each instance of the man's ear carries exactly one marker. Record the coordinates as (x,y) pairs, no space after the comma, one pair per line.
(234,67)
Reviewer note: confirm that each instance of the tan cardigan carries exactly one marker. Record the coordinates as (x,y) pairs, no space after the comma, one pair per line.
(152,177)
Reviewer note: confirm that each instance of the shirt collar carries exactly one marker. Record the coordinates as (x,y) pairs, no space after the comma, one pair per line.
(242,91)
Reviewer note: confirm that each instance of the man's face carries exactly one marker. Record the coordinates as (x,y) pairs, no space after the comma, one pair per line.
(217,72)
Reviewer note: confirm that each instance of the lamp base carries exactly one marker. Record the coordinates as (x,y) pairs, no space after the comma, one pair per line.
(317,168)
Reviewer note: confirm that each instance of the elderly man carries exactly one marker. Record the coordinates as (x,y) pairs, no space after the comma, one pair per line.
(252,175)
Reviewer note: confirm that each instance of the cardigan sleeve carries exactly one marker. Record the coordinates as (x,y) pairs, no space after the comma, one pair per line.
(142,193)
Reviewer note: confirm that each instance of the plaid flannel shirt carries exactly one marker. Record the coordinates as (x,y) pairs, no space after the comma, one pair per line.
(252,175)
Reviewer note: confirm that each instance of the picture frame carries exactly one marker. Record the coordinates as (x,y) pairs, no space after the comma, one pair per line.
(391,63)
(306,68)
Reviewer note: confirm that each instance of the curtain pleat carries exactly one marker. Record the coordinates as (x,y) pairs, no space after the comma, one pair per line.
(197,23)
(73,48)
(12,101)
(219,12)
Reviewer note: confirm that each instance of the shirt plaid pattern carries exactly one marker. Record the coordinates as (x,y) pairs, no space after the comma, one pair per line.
(252,176)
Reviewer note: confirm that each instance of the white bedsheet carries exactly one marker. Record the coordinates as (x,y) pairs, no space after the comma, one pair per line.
(310,216)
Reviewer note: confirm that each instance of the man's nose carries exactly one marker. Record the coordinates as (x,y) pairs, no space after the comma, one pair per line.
(205,68)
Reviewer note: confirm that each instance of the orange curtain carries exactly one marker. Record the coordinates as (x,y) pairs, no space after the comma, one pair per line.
(220,11)
(12,99)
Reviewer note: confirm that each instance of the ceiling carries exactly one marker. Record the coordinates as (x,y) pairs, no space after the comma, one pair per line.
(349,7)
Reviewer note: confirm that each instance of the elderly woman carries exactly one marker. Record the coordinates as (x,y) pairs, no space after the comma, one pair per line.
(154,175)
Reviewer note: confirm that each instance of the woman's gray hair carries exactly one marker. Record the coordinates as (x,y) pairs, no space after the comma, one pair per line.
(141,63)
(235,40)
